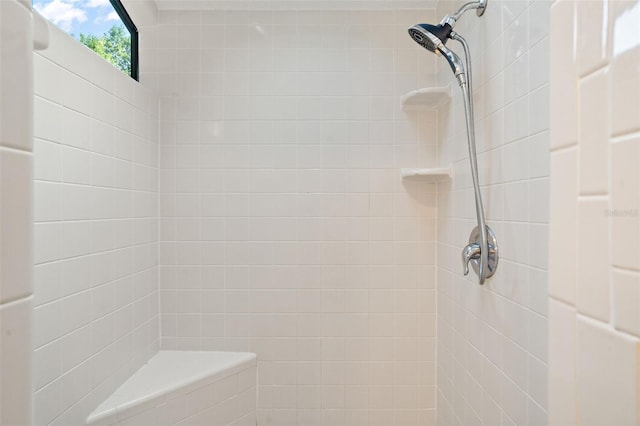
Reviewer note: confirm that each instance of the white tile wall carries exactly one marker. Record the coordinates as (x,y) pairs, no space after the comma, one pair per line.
(595,319)
(16,209)
(492,340)
(606,375)
(16,362)
(562,362)
(286,229)
(96,275)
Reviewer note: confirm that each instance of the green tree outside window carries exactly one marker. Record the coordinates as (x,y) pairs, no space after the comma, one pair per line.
(114,46)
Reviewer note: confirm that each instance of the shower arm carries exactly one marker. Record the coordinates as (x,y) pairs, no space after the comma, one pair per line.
(479,6)
(471,251)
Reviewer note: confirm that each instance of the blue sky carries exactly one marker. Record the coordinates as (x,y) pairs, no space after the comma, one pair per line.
(79,16)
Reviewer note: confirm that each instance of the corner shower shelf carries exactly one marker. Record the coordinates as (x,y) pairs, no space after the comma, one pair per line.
(428,175)
(428,97)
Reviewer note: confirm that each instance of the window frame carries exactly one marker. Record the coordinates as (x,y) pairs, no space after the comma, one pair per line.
(133,32)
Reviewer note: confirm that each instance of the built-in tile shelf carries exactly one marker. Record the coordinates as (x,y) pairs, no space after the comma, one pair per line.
(424,98)
(428,175)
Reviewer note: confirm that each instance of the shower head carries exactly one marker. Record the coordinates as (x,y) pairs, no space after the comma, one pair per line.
(430,36)
(433,38)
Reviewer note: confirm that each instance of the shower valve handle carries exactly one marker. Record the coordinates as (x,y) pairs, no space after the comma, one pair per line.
(472,251)
(484,266)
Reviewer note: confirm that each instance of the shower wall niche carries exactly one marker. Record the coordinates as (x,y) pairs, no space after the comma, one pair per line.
(285,227)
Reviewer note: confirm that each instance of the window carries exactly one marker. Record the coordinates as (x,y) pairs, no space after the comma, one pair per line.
(102,25)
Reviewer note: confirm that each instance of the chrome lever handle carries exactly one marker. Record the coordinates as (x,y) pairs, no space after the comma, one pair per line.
(472,251)
(484,265)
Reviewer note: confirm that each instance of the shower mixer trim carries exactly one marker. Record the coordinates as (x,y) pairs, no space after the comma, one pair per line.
(482,250)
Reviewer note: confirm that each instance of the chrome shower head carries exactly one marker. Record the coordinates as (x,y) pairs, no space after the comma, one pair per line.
(430,36)
(433,38)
